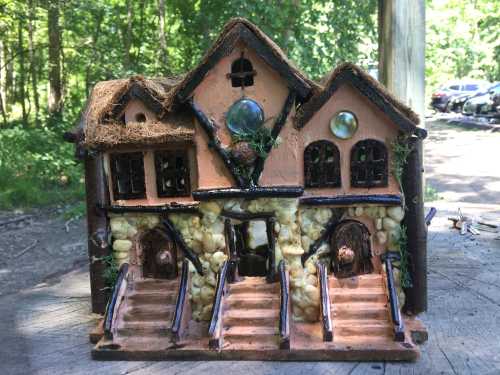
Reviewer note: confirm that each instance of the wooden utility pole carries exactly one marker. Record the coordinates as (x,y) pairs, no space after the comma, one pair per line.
(402,71)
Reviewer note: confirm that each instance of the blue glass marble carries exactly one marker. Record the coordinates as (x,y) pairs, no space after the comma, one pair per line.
(245,116)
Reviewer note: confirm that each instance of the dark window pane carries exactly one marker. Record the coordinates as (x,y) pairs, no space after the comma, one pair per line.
(369,164)
(127,173)
(242,73)
(172,173)
(322,165)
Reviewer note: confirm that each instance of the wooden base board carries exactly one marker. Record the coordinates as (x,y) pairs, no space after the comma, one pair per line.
(305,345)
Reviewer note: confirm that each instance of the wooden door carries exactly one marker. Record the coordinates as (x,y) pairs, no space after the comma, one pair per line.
(351,250)
(160,256)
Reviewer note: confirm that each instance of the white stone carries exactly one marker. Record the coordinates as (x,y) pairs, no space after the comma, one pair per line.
(378,224)
(397,213)
(292,250)
(381,237)
(358,211)
(122,245)
(389,224)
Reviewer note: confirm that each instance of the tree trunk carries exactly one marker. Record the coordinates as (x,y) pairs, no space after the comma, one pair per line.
(34,79)
(55,84)
(22,72)
(2,83)
(95,37)
(9,75)
(163,53)
(127,38)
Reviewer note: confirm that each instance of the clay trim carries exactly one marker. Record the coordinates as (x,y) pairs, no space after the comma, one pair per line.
(215,143)
(168,208)
(258,192)
(188,252)
(278,125)
(400,114)
(240,29)
(345,200)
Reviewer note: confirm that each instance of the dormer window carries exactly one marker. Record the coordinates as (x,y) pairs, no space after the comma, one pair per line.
(369,164)
(127,172)
(242,73)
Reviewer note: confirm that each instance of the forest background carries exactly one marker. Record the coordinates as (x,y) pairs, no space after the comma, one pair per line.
(52,52)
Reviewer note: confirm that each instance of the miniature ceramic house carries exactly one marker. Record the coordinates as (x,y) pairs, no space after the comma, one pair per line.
(252,212)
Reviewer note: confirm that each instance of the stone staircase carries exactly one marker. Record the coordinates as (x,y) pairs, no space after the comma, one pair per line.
(147,314)
(251,315)
(360,309)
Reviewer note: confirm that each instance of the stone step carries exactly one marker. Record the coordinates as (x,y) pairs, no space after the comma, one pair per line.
(152,297)
(156,328)
(360,310)
(257,343)
(156,284)
(250,333)
(244,287)
(357,295)
(253,301)
(149,312)
(251,317)
(367,327)
(372,280)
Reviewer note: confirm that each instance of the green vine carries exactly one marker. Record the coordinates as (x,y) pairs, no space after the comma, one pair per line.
(400,152)
(404,275)
(260,140)
(110,272)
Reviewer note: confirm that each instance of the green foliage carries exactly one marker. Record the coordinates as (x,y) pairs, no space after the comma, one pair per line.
(400,152)
(37,168)
(430,194)
(110,273)
(260,140)
(463,40)
(405,277)
(75,211)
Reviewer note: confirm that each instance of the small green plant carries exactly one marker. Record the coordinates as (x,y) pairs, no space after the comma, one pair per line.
(400,152)
(110,273)
(430,194)
(404,275)
(260,140)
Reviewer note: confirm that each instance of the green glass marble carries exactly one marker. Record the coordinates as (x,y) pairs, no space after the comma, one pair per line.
(245,116)
(343,125)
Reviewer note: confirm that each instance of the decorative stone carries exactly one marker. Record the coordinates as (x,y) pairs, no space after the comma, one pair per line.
(292,250)
(382,212)
(378,224)
(122,245)
(359,211)
(389,224)
(396,213)
(381,237)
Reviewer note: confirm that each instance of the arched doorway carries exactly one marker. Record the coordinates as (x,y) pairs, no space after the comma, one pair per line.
(351,250)
(159,255)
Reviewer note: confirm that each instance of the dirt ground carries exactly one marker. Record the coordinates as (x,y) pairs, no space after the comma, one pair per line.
(44,287)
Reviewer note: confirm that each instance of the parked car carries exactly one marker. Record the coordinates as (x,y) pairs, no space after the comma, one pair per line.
(442,96)
(494,105)
(456,103)
(477,105)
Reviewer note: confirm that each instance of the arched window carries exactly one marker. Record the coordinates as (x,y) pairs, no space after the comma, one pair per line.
(241,73)
(369,164)
(322,165)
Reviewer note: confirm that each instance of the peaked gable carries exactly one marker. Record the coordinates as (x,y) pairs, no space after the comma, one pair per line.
(237,30)
(400,114)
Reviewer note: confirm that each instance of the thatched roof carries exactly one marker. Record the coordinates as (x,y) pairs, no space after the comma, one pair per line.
(102,126)
(240,29)
(402,115)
